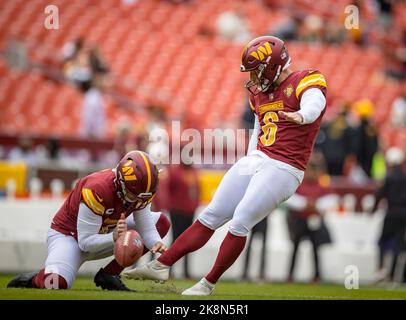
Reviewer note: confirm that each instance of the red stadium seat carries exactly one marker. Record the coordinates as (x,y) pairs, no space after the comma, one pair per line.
(156,46)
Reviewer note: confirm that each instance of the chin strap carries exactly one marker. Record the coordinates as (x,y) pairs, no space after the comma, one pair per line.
(280,69)
(287,64)
(278,73)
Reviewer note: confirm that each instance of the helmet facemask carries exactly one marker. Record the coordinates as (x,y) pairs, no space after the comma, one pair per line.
(129,199)
(257,83)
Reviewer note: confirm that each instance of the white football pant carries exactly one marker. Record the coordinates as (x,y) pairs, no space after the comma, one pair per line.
(249,192)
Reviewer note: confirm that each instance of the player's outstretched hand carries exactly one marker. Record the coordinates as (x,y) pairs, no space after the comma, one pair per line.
(120,228)
(159,247)
(294,117)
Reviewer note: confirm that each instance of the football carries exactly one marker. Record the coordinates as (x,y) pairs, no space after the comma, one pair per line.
(128,248)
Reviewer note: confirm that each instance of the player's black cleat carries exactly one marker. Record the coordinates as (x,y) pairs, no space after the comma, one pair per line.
(109,282)
(24,280)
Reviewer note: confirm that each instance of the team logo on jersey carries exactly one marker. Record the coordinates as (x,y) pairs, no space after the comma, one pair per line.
(128,172)
(288,91)
(262,52)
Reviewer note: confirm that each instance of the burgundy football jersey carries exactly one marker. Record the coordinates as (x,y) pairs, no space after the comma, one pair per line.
(98,193)
(279,139)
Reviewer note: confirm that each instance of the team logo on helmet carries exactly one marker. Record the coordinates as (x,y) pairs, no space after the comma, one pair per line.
(128,171)
(262,52)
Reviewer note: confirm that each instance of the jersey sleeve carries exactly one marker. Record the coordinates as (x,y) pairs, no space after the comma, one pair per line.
(95,197)
(311,79)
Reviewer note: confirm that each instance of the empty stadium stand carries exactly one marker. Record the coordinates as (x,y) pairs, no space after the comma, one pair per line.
(156,49)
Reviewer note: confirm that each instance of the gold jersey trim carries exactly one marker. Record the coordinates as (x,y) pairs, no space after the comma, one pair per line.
(312,80)
(91,202)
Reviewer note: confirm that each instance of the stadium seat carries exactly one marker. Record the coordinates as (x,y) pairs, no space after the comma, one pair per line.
(156,46)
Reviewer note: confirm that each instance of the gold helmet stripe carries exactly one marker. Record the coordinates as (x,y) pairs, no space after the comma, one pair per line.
(148,170)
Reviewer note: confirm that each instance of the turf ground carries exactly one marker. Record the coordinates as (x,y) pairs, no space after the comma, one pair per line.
(148,290)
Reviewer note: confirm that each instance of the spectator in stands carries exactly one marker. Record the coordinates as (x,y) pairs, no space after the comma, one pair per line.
(333,32)
(158,151)
(394,50)
(49,151)
(365,135)
(97,64)
(394,226)
(164,194)
(16,53)
(24,151)
(93,112)
(288,29)
(71,49)
(158,144)
(232,25)
(78,70)
(184,189)
(305,212)
(125,139)
(361,35)
(157,117)
(158,147)
(398,110)
(261,228)
(312,29)
(336,142)
(386,11)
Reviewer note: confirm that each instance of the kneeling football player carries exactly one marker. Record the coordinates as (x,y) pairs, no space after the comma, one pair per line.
(98,210)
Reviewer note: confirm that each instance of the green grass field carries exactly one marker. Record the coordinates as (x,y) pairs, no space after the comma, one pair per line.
(149,290)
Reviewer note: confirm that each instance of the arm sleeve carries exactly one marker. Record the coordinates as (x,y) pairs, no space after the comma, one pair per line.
(254,137)
(312,104)
(88,226)
(145,225)
(296,202)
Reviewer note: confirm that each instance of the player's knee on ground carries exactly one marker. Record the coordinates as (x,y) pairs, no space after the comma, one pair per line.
(50,281)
